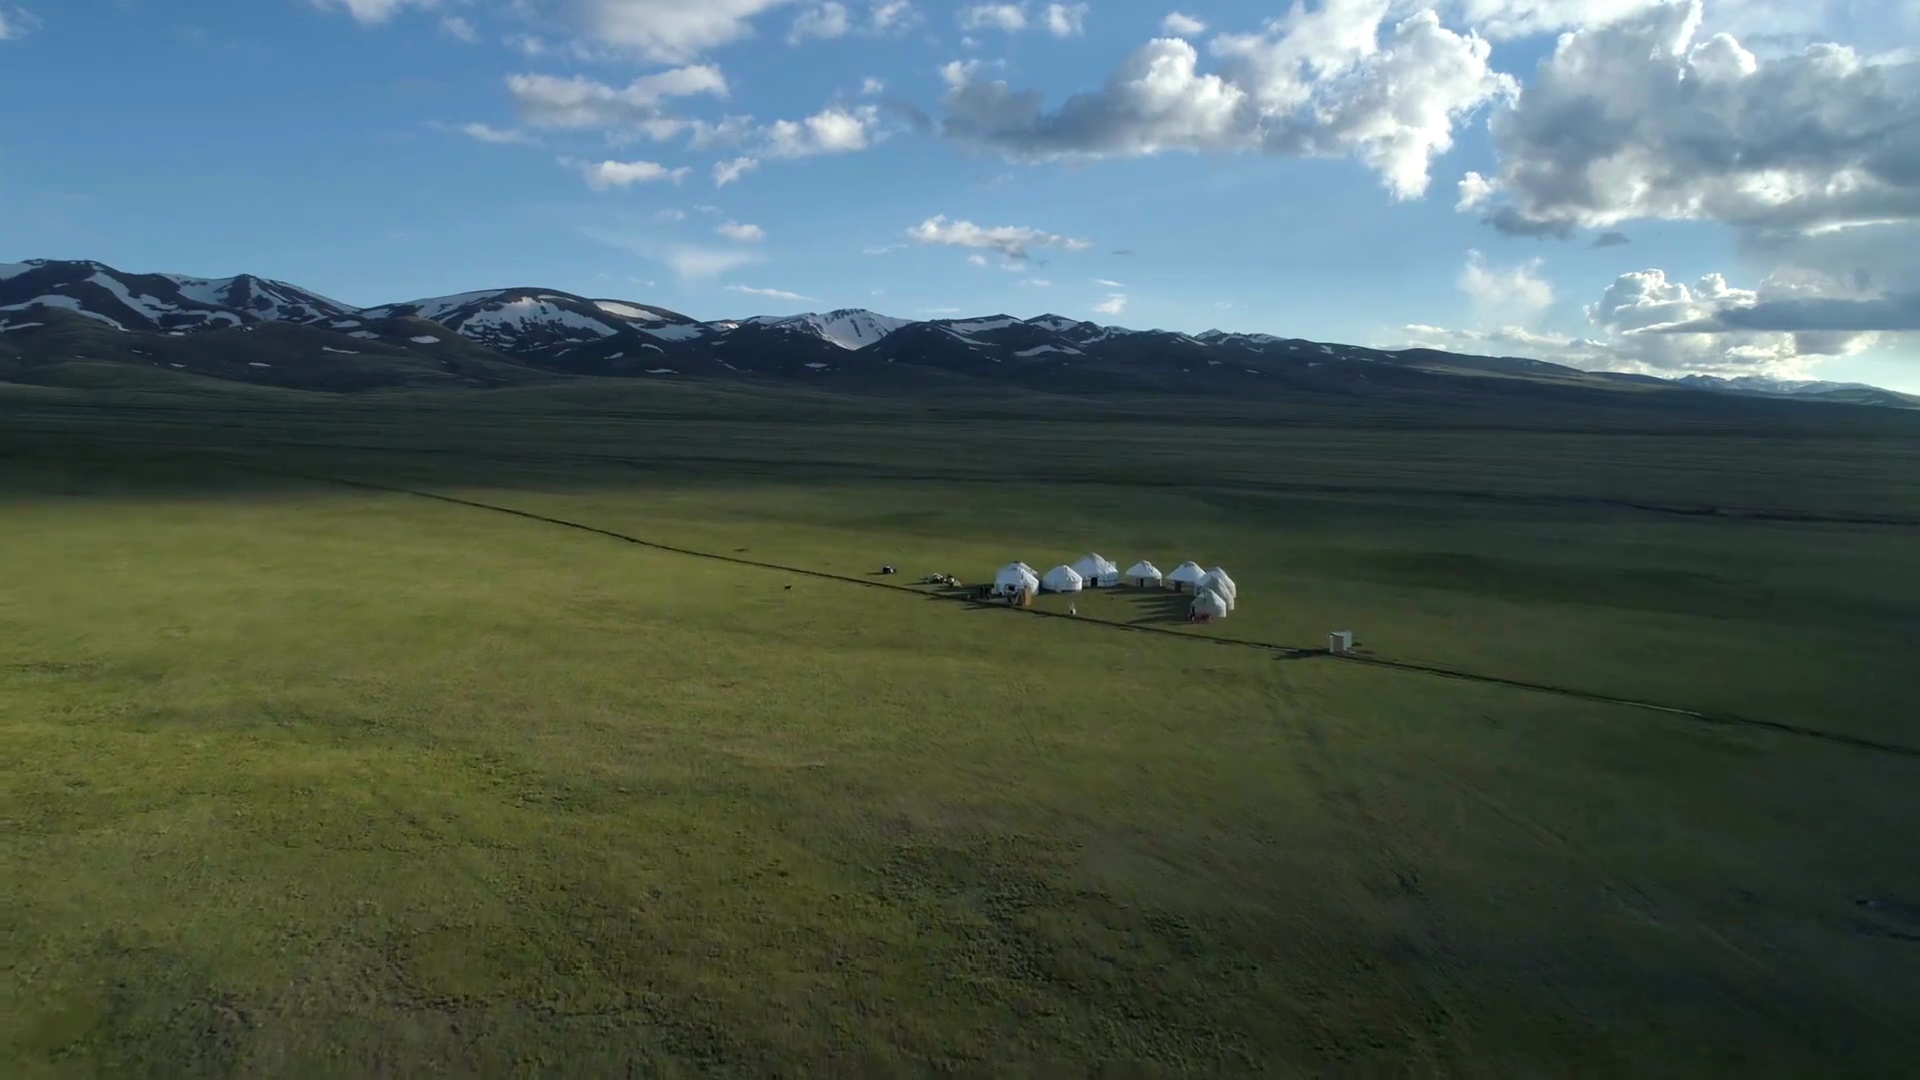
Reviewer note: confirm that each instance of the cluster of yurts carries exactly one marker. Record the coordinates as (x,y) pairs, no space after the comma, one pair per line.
(1214,593)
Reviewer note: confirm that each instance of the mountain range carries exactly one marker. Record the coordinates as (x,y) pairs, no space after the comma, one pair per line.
(56,316)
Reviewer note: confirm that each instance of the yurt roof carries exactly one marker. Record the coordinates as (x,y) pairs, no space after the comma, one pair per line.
(1188,571)
(1143,568)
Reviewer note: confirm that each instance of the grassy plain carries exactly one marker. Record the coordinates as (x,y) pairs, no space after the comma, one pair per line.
(308,779)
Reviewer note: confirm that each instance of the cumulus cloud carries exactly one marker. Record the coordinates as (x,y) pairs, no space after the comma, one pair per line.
(735,230)
(1323,82)
(1112,305)
(607,175)
(1011,18)
(1180,25)
(836,129)
(827,20)
(832,19)
(370,12)
(1503,20)
(667,31)
(1643,119)
(726,172)
(1510,294)
(777,294)
(459,29)
(578,102)
(1015,242)
(1066,20)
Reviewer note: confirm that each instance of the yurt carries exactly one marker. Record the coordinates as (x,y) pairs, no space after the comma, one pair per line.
(1014,578)
(1062,578)
(1186,575)
(1144,573)
(1207,606)
(1219,582)
(1096,570)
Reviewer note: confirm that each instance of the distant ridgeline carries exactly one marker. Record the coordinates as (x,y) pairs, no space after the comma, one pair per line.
(57,315)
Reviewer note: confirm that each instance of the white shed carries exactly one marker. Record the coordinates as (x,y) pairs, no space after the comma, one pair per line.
(1143,573)
(1208,605)
(1014,578)
(1062,578)
(1096,570)
(1187,574)
(1219,582)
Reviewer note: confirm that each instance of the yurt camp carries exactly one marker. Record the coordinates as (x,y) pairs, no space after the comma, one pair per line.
(1096,571)
(1187,575)
(1062,578)
(1144,574)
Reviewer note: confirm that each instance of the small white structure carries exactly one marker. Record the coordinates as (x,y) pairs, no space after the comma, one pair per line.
(1187,575)
(1207,606)
(1096,570)
(1219,582)
(1144,573)
(1340,641)
(1013,579)
(1062,578)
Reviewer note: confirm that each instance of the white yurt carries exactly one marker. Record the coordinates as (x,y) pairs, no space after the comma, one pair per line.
(1143,573)
(1187,575)
(1208,605)
(1014,578)
(1096,570)
(1062,578)
(1219,582)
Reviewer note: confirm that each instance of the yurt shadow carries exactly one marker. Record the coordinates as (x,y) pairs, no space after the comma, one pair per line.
(1155,606)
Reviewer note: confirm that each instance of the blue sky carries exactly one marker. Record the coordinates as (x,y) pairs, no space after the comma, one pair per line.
(1297,173)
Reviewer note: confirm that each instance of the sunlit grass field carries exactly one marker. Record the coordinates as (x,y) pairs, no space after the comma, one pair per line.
(307,779)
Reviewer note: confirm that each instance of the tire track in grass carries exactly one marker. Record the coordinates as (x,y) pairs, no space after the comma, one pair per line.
(1285,651)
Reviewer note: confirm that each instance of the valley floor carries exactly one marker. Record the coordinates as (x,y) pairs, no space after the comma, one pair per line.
(309,779)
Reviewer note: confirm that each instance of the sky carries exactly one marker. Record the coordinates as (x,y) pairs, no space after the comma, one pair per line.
(1667,186)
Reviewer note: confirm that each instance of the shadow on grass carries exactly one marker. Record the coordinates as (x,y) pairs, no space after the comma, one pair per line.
(1153,607)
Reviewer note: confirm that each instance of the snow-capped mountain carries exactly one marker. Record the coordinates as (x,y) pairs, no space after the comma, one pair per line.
(499,336)
(155,302)
(849,328)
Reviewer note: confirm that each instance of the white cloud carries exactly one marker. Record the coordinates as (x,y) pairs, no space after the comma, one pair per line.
(498,136)
(834,130)
(1038,283)
(15,24)
(735,230)
(371,12)
(726,172)
(1066,20)
(1108,283)
(1641,119)
(459,29)
(1319,82)
(1512,294)
(1011,18)
(669,214)
(977,260)
(828,20)
(1112,305)
(667,31)
(777,294)
(870,86)
(578,102)
(1504,20)
(893,15)
(1180,25)
(606,175)
(1015,242)
(1475,190)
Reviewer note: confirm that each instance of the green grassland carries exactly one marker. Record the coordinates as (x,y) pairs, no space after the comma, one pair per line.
(309,779)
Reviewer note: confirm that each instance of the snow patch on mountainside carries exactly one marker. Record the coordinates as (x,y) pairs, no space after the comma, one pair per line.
(849,328)
(14,270)
(518,316)
(151,308)
(424,339)
(676,331)
(626,311)
(1038,350)
(975,326)
(66,302)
